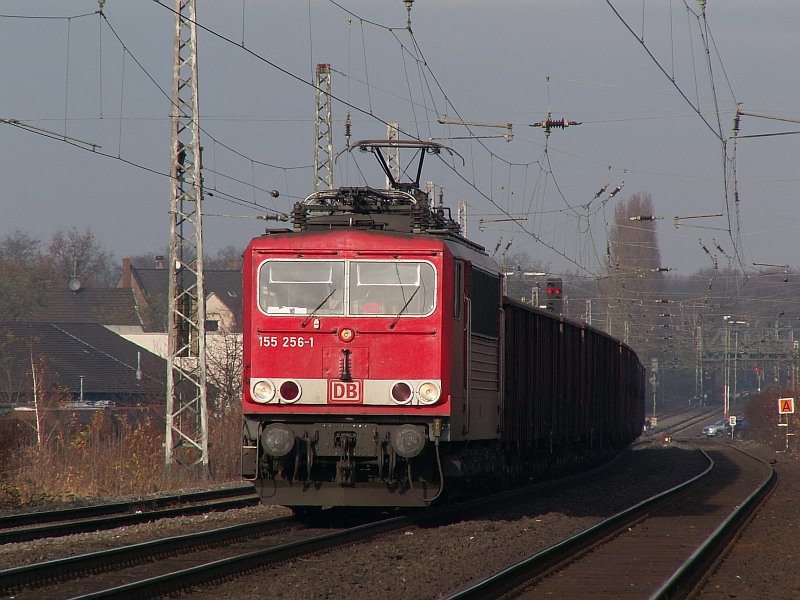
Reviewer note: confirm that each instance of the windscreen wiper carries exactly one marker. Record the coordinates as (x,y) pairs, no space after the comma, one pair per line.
(402,310)
(313,312)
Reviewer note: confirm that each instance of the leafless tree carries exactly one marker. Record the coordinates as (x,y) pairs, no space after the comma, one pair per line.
(224,370)
(26,380)
(15,371)
(23,274)
(21,246)
(75,253)
(225,258)
(634,275)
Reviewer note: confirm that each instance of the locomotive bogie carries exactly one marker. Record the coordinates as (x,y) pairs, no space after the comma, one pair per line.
(312,463)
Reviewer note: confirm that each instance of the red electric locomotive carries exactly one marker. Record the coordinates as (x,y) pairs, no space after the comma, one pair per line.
(374,356)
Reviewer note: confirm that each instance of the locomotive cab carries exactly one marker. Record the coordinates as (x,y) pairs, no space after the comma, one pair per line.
(345,378)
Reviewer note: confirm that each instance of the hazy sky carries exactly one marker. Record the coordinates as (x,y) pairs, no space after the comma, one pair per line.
(495,63)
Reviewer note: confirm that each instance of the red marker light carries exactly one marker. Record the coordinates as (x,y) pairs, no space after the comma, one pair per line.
(290,391)
(402,392)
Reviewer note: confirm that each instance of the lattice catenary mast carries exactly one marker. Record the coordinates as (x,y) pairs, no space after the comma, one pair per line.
(323,129)
(392,153)
(187,421)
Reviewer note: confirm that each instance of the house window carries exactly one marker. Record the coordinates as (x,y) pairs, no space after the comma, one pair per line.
(212,325)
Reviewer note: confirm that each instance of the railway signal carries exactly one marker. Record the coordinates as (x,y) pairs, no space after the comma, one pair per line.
(554,291)
(785,407)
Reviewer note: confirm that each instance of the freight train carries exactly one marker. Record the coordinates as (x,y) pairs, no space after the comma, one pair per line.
(382,365)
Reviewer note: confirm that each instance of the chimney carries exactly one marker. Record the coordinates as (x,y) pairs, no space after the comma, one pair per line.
(126,273)
(234,264)
(159,261)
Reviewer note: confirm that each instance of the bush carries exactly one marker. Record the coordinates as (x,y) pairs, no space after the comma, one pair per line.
(111,456)
(763,418)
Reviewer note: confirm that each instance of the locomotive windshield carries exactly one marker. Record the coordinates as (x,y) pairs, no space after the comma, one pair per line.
(300,286)
(386,287)
(375,288)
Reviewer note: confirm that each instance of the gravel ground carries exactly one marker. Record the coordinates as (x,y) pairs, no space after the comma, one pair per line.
(421,563)
(763,562)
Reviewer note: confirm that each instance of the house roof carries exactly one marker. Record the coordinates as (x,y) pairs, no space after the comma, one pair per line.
(107,362)
(104,306)
(226,284)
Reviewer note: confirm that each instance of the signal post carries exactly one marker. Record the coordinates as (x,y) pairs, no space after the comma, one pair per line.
(785,408)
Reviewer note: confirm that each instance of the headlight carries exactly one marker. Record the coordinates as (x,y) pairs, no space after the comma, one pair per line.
(408,440)
(346,334)
(277,440)
(429,393)
(262,390)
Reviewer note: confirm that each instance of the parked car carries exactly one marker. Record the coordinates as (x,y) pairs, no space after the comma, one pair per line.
(740,429)
(715,430)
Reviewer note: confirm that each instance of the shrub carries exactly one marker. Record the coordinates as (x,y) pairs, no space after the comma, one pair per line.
(112,455)
(762,416)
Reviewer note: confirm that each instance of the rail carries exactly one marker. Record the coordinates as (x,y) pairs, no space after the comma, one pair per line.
(701,498)
(686,579)
(72,567)
(211,570)
(45,524)
(502,582)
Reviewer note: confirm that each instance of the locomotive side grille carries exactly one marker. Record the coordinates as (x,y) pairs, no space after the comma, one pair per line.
(485,371)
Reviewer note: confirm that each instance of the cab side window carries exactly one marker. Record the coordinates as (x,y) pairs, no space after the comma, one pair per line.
(458,288)
(485,302)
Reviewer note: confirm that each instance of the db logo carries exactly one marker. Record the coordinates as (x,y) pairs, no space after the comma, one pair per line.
(345,392)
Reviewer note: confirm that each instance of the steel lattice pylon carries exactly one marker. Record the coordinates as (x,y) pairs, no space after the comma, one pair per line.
(392,153)
(462,217)
(323,130)
(187,430)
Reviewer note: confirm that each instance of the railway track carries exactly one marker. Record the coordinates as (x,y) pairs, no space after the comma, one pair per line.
(661,548)
(160,567)
(45,524)
(31,579)
(679,423)
(164,567)
(173,564)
